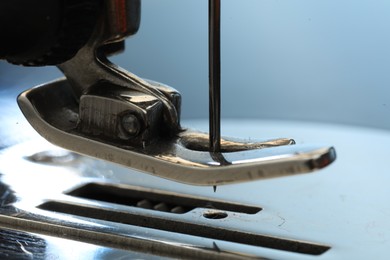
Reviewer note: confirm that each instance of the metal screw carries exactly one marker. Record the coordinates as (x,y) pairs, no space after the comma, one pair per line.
(131,124)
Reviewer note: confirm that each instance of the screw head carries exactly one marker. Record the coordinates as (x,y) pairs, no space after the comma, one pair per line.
(131,124)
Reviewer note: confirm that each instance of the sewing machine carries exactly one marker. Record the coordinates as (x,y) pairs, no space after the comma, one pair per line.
(133,180)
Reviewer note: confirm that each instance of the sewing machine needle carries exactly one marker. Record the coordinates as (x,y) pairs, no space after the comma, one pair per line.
(215,75)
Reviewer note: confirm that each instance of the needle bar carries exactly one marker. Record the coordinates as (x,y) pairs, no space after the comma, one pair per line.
(215,75)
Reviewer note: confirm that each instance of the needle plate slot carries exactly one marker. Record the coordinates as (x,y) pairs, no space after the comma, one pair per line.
(184,227)
(205,227)
(155,200)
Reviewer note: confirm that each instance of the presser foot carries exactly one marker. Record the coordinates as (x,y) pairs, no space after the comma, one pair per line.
(132,140)
(106,112)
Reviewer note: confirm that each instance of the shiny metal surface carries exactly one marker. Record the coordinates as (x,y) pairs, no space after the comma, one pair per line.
(105,112)
(55,204)
(90,65)
(215,75)
(342,208)
(52,111)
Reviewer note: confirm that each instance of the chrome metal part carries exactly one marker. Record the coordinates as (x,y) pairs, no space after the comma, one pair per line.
(105,112)
(79,206)
(215,75)
(83,208)
(180,158)
(90,66)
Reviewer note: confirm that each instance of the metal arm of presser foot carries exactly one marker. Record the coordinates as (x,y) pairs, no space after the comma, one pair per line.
(105,112)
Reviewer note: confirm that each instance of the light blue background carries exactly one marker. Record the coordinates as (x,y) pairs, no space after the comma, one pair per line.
(322,60)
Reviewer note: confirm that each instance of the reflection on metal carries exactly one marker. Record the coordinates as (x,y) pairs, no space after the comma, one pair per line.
(106,112)
(125,217)
(21,245)
(342,207)
(57,156)
(54,114)
(90,67)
